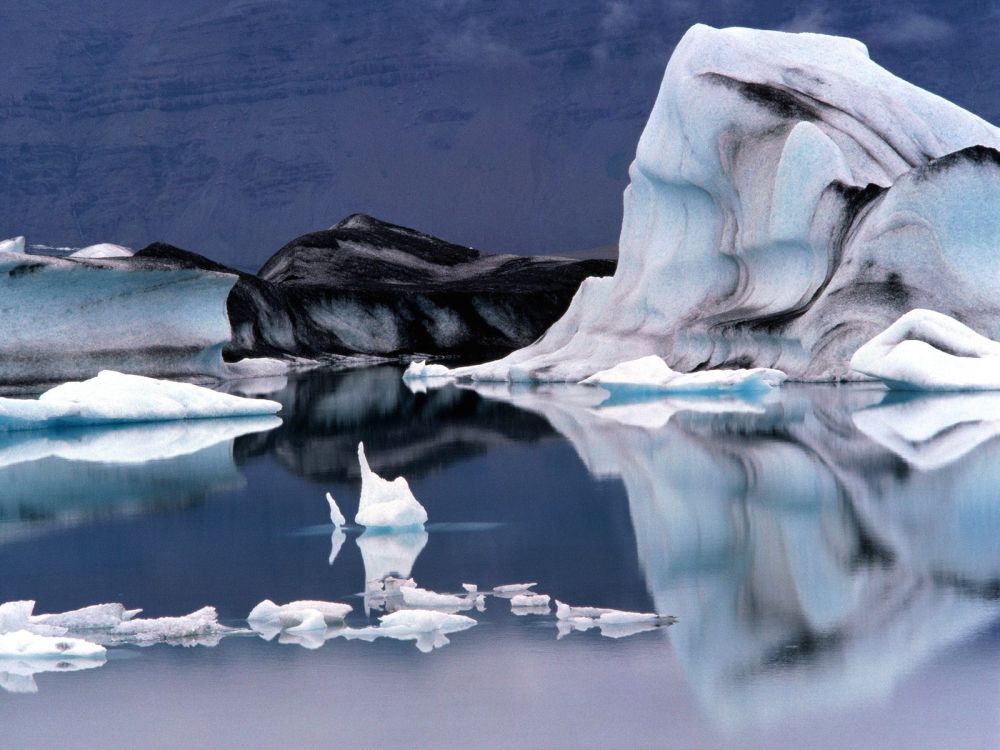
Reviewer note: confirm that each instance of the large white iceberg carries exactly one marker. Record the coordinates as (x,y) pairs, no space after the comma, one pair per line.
(789,199)
(113,397)
(928,351)
(652,374)
(269,619)
(385,504)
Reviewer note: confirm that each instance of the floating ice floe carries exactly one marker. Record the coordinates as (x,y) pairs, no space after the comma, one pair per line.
(113,397)
(198,628)
(929,351)
(426,599)
(509,590)
(420,370)
(13,245)
(102,250)
(614,623)
(428,628)
(385,504)
(653,374)
(530,601)
(268,619)
(23,644)
(93,617)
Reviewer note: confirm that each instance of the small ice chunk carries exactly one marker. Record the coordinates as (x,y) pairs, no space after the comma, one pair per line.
(616,617)
(94,617)
(25,644)
(566,612)
(426,599)
(653,374)
(336,517)
(470,587)
(530,600)
(929,351)
(203,622)
(385,504)
(513,588)
(426,627)
(113,397)
(294,614)
(420,370)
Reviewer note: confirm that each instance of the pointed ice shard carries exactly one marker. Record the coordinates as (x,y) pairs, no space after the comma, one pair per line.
(385,504)
(336,517)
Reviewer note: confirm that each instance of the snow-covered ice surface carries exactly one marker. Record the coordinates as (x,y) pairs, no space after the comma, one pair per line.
(69,318)
(789,199)
(113,397)
(928,351)
(385,504)
(12,245)
(652,374)
(102,250)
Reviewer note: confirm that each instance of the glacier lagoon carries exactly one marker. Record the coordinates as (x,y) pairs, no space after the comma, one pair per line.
(829,553)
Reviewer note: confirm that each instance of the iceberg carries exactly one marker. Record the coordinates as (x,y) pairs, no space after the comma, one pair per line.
(113,397)
(510,589)
(385,504)
(789,199)
(94,617)
(66,319)
(418,598)
(652,374)
(420,370)
(928,351)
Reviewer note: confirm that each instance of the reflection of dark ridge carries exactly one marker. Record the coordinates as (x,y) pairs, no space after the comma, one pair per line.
(327,413)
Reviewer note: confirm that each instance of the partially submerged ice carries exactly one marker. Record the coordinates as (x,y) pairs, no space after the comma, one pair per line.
(384,504)
(928,351)
(269,619)
(427,628)
(651,374)
(113,397)
(788,200)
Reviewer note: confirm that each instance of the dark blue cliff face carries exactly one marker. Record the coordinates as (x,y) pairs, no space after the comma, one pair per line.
(230,128)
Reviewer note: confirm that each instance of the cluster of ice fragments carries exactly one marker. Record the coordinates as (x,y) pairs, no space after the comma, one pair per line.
(78,639)
(112,397)
(645,375)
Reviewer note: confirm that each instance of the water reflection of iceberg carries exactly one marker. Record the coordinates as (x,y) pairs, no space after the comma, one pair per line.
(18,675)
(58,477)
(810,566)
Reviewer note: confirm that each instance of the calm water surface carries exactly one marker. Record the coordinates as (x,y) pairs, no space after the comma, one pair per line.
(832,556)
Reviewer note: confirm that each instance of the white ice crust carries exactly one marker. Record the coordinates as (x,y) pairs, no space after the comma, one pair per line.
(928,351)
(13,245)
(113,397)
(103,250)
(749,235)
(385,504)
(653,374)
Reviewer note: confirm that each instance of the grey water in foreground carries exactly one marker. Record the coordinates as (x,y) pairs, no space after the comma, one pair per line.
(831,555)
